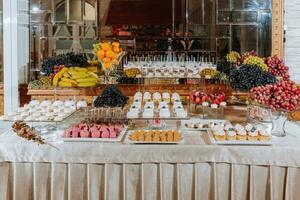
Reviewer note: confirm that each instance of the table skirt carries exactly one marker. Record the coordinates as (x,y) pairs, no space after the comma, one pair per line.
(162,181)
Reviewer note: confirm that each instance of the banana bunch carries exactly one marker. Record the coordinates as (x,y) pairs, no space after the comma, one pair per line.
(75,77)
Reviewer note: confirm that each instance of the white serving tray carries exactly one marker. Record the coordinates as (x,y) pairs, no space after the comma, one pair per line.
(238,142)
(128,141)
(203,121)
(118,139)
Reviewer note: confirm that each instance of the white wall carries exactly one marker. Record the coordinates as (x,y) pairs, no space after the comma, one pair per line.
(292,45)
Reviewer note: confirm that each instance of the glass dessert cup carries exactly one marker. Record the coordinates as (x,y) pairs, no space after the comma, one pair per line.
(263,114)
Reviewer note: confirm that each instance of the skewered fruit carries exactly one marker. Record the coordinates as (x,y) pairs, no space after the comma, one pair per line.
(208,73)
(132,72)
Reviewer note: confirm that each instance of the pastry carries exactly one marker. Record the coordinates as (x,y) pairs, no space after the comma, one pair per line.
(219,133)
(253,134)
(81,104)
(84,134)
(164,112)
(147,96)
(58,103)
(132,114)
(181,113)
(148,113)
(241,134)
(156,97)
(230,135)
(45,103)
(263,135)
(138,96)
(166,97)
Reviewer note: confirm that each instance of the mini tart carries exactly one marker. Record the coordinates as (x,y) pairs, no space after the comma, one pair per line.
(241,135)
(219,134)
(230,135)
(263,135)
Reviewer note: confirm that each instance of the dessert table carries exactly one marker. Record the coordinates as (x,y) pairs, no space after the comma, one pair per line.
(192,170)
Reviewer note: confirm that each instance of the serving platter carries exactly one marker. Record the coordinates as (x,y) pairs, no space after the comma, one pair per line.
(128,141)
(117,139)
(198,120)
(239,142)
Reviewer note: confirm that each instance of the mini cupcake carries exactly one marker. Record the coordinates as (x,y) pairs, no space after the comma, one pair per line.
(219,134)
(241,134)
(230,135)
(263,135)
(253,134)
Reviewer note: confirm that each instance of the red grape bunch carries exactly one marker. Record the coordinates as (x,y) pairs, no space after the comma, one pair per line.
(277,67)
(281,95)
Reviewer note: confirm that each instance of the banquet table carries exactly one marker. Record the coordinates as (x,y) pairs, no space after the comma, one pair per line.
(194,169)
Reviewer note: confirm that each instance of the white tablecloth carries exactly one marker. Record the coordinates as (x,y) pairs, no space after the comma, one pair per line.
(193,170)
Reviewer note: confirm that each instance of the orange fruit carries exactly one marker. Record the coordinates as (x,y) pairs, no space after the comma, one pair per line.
(115,61)
(110,54)
(116,44)
(101,54)
(106,65)
(106,60)
(116,49)
(105,46)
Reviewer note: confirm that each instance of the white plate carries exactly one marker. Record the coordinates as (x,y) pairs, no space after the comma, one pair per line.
(118,139)
(237,142)
(203,121)
(128,141)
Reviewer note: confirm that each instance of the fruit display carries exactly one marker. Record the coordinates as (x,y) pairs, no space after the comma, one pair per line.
(75,77)
(109,54)
(233,57)
(208,73)
(277,67)
(224,66)
(247,54)
(256,61)
(43,82)
(247,77)
(111,97)
(281,95)
(213,98)
(86,130)
(222,77)
(294,116)
(68,60)
(155,136)
(132,72)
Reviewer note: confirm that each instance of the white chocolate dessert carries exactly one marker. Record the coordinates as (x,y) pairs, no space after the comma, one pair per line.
(42,111)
